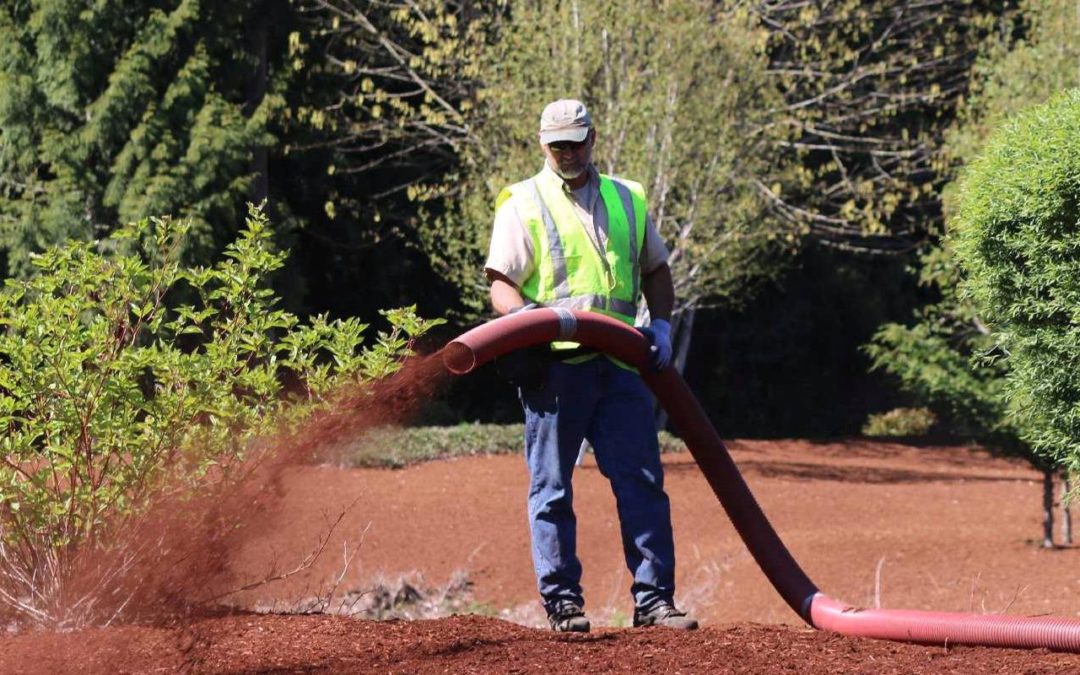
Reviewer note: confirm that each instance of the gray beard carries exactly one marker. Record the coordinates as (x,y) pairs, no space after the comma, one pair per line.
(568,176)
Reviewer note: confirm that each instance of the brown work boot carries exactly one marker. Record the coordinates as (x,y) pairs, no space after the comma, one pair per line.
(664,613)
(566,616)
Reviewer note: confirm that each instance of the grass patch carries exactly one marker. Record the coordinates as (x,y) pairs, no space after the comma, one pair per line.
(900,422)
(398,447)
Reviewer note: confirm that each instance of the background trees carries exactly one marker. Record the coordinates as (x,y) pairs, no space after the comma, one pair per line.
(869,90)
(1016,240)
(784,145)
(948,357)
(380,108)
(114,110)
(680,100)
(390,88)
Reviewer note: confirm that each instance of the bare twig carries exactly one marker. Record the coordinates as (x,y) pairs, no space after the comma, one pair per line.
(1019,590)
(877,583)
(303,565)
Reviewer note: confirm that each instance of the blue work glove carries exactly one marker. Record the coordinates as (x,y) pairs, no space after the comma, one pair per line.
(659,334)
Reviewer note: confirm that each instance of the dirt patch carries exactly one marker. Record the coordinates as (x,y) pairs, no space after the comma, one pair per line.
(936,528)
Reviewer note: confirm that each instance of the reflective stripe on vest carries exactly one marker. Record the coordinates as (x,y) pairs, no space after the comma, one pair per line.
(570,271)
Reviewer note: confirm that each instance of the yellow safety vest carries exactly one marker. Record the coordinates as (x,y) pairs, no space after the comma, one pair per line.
(570,270)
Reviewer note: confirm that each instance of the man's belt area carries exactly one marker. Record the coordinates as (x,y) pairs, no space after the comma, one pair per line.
(527,368)
(565,355)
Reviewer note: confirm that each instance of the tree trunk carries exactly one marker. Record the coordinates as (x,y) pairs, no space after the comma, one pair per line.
(256,91)
(1048,508)
(682,329)
(683,336)
(1066,513)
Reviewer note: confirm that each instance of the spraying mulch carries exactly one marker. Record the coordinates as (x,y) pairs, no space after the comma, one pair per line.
(943,528)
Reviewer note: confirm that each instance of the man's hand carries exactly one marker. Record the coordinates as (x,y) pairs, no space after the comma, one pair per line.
(659,334)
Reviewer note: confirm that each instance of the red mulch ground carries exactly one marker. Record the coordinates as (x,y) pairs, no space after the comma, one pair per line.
(474,644)
(926,528)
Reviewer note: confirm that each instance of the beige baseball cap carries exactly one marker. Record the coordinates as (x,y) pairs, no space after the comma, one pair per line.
(564,120)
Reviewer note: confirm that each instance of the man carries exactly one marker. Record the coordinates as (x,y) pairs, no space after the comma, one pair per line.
(572,237)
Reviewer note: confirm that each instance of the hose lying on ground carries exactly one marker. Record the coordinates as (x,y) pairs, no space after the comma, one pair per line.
(525,329)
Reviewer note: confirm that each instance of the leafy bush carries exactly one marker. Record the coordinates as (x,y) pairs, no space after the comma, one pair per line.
(1016,235)
(397,447)
(105,390)
(900,422)
(948,360)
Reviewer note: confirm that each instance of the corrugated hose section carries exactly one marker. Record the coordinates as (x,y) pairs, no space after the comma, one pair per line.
(524,329)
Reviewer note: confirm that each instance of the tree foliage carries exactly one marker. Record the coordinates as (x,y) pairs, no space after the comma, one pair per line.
(1032,56)
(947,357)
(679,99)
(113,110)
(106,390)
(391,88)
(377,104)
(1017,242)
(869,90)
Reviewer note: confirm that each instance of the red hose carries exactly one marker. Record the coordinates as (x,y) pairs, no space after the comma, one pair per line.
(610,336)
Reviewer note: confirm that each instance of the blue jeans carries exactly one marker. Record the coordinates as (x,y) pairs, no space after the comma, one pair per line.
(612,408)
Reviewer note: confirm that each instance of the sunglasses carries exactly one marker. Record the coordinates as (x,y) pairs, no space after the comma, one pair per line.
(559,146)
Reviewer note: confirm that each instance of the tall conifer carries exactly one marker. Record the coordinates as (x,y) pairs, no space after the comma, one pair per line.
(111,111)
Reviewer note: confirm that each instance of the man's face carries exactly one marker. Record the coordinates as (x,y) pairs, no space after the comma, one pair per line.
(570,159)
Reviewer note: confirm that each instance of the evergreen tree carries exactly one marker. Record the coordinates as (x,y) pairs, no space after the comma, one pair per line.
(111,111)
(1015,239)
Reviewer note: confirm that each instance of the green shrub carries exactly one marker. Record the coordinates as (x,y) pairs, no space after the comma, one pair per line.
(900,422)
(105,390)
(1017,234)
(397,447)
